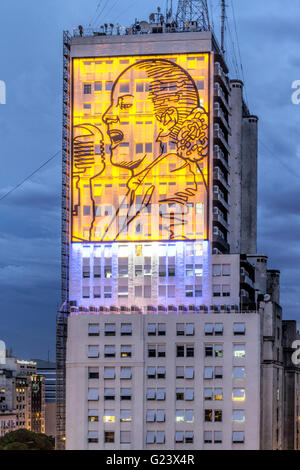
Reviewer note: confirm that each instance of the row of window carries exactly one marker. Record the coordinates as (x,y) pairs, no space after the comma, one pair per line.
(159,372)
(165,251)
(159,329)
(159,394)
(159,416)
(139,271)
(145,292)
(159,437)
(159,350)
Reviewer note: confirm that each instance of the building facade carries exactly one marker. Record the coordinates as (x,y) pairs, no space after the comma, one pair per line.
(163,292)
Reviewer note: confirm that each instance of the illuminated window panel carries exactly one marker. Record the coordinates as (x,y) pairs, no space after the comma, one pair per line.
(141,125)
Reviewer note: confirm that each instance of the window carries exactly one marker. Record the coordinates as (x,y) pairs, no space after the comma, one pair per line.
(161,329)
(93,351)
(109,394)
(219,329)
(180,329)
(160,394)
(125,394)
(179,436)
(208,348)
(179,416)
(179,393)
(161,350)
(126,329)
(238,437)
(216,270)
(238,416)
(208,373)
(208,416)
(190,329)
(109,416)
(161,372)
(92,436)
(98,86)
(189,394)
(125,373)
(216,290)
(226,269)
(150,416)
(126,351)
(125,437)
(107,272)
(93,394)
(151,373)
(207,437)
(218,416)
(189,416)
(239,372)
(189,351)
(179,372)
(239,329)
(218,348)
(218,394)
(239,350)
(218,372)
(160,416)
(238,394)
(189,437)
(208,394)
(109,351)
(151,394)
(109,373)
(110,329)
(93,415)
(109,436)
(108,86)
(226,290)
(93,329)
(218,437)
(189,372)
(93,372)
(87,88)
(209,329)
(160,437)
(150,438)
(179,351)
(151,328)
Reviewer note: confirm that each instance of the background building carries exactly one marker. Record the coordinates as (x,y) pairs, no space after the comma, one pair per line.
(175,305)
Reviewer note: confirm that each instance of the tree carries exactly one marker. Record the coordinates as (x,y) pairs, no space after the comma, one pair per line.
(22,439)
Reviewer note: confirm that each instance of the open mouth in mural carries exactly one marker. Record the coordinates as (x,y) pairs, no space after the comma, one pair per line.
(116,137)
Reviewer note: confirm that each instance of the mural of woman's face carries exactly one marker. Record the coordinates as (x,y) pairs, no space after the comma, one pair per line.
(130,120)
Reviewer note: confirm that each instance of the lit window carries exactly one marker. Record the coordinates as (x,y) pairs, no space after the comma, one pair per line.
(109,416)
(218,348)
(126,351)
(218,394)
(239,350)
(179,416)
(109,436)
(238,394)
(93,415)
(208,394)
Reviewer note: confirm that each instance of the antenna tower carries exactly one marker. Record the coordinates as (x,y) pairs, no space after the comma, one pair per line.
(193,10)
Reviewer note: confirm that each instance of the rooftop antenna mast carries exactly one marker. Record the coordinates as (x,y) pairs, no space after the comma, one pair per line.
(223,18)
(193,10)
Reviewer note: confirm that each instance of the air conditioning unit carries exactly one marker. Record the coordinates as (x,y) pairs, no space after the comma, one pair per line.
(162,308)
(113,308)
(93,309)
(103,309)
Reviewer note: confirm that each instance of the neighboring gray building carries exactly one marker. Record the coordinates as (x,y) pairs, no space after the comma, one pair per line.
(165,343)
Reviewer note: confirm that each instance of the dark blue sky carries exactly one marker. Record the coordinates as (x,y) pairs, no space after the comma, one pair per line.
(30,132)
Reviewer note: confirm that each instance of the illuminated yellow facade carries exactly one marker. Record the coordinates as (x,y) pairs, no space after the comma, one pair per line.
(140,164)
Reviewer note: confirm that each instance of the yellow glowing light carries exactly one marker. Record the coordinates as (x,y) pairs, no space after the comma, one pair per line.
(109,419)
(140,154)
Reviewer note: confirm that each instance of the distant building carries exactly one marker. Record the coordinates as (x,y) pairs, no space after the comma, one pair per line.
(48,370)
(22,394)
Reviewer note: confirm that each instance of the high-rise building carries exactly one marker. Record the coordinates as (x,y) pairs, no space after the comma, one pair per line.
(48,370)
(170,331)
